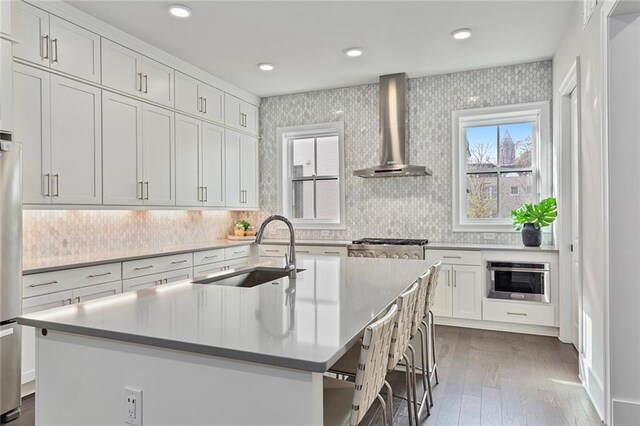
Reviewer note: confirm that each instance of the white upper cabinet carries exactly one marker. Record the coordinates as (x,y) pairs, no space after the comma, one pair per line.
(32,129)
(241,166)
(240,115)
(48,40)
(31,29)
(121,68)
(130,72)
(212,164)
(121,150)
(74,50)
(198,98)
(158,164)
(76,164)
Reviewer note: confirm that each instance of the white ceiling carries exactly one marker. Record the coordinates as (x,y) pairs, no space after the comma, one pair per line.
(305,40)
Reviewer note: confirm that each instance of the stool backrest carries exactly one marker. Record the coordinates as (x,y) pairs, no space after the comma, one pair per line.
(402,327)
(372,364)
(433,284)
(421,301)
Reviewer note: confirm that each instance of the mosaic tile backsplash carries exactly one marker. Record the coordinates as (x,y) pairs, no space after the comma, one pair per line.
(415,207)
(51,233)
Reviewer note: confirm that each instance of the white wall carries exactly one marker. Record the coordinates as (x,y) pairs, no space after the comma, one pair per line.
(586,43)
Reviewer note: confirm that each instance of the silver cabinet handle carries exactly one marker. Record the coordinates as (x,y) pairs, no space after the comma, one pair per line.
(146,83)
(139,82)
(272,250)
(43,284)
(45,47)
(238,252)
(142,268)
(206,193)
(48,185)
(146,188)
(77,299)
(99,275)
(57,178)
(331,252)
(451,257)
(54,44)
(240,118)
(69,301)
(211,257)
(521,314)
(141,189)
(175,262)
(448,278)
(205,105)
(455,279)
(199,193)
(302,251)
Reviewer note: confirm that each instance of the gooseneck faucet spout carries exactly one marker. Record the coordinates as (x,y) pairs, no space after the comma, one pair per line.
(290,262)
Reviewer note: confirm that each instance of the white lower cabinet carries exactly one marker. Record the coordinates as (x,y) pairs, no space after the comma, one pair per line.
(518,312)
(156,279)
(443,303)
(279,250)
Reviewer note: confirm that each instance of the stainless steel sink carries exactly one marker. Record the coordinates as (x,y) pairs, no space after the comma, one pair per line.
(246,278)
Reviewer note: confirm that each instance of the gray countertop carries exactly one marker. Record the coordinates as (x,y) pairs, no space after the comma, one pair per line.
(305,324)
(49,264)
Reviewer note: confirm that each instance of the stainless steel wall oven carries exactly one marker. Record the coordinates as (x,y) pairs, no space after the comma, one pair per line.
(518,281)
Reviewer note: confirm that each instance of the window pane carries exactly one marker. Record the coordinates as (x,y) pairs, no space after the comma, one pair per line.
(303,157)
(328,161)
(516,144)
(328,199)
(482,195)
(303,200)
(516,191)
(482,147)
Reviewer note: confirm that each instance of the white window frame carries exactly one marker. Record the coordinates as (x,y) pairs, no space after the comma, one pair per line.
(538,112)
(285,155)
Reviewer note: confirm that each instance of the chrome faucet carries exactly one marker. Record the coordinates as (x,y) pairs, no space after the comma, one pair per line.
(290,262)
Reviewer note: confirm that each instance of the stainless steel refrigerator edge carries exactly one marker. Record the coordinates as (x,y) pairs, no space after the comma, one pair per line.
(10,275)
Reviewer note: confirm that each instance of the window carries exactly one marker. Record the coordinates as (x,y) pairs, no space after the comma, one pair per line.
(312,179)
(500,161)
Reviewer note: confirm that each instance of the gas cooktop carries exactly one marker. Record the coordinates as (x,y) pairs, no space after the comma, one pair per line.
(392,241)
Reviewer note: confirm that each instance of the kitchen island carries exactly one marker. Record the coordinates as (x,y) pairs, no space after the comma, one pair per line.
(211,353)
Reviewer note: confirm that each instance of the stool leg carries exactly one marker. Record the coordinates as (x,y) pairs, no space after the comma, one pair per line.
(416,412)
(389,401)
(433,346)
(407,374)
(423,357)
(383,405)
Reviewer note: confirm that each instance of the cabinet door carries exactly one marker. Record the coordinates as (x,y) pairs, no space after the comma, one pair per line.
(121,68)
(75,142)
(30,27)
(97,291)
(212,103)
(467,287)
(187,98)
(250,120)
(212,160)
(32,129)
(442,305)
(121,150)
(141,282)
(249,171)
(189,190)
(232,154)
(157,81)
(157,155)
(74,50)
(232,113)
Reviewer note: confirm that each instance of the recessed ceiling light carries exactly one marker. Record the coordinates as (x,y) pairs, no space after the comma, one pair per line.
(461,34)
(354,51)
(266,66)
(179,10)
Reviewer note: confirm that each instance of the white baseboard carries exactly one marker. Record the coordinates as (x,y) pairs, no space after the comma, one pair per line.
(593,386)
(498,326)
(28,376)
(624,413)
(28,388)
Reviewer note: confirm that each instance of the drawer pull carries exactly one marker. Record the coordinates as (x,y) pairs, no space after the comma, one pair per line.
(451,257)
(302,251)
(211,257)
(238,252)
(43,284)
(99,275)
(176,262)
(143,268)
(331,252)
(272,250)
(521,314)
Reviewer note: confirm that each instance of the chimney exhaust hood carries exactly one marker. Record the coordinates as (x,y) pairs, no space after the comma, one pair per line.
(394,140)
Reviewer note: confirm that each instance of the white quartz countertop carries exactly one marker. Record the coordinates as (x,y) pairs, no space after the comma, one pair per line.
(48,264)
(305,324)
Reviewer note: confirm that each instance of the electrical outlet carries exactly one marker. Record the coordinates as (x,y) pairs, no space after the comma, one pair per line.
(133,406)
(489,236)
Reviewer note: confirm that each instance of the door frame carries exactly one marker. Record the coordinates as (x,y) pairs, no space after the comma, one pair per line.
(563,235)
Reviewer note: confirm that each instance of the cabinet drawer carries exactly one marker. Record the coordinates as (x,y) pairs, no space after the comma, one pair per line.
(237,252)
(273,251)
(141,282)
(208,256)
(321,250)
(50,282)
(46,301)
(521,313)
(211,268)
(154,265)
(454,257)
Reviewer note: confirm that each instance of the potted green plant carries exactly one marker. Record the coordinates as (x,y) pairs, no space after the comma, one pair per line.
(241,227)
(531,218)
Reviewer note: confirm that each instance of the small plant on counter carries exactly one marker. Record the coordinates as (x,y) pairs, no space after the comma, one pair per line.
(243,228)
(531,218)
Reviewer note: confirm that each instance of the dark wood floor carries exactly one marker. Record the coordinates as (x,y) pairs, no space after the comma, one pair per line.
(489,378)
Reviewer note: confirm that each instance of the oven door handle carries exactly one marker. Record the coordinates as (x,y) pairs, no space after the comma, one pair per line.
(496,268)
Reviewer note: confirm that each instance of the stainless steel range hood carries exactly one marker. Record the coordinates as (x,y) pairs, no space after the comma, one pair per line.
(394,140)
